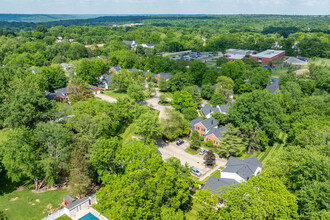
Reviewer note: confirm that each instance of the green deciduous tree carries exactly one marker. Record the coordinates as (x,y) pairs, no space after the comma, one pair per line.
(162,84)
(195,92)
(175,125)
(190,114)
(225,86)
(259,109)
(136,92)
(183,100)
(262,197)
(217,99)
(79,90)
(148,125)
(194,140)
(89,70)
(207,91)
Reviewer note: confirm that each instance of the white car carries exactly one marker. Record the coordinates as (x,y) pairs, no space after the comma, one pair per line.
(196,172)
(202,152)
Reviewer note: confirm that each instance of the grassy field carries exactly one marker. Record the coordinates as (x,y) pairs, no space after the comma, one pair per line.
(128,133)
(115,94)
(321,62)
(271,152)
(193,213)
(278,71)
(25,204)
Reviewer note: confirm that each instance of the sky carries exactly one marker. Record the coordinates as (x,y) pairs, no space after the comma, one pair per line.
(113,7)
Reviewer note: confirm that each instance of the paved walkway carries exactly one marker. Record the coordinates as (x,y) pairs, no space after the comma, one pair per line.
(106,98)
(197,161)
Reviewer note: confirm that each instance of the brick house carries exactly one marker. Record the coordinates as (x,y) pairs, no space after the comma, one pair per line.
(269,55)
(114,69)
(203,126)
(159,75)
(215,135)
(54,96)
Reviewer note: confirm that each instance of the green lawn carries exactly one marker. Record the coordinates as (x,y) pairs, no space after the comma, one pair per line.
(278,71)
(190,151)
(128,133)
(216,173)
(116,94)
(64,217)
(193,213)
(25,204)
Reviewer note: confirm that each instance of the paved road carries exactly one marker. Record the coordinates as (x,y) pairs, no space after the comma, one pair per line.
(197,161)
(106,98)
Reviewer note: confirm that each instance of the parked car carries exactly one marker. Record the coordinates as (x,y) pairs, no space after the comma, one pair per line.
(196,172)
(202,152)
(179,142)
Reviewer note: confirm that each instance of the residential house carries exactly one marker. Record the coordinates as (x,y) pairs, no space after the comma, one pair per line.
(207,110)
(274,85)
(203,126)
(159,75)
(215,135)
(131,70)
(55,96)
(96,90)
(148,45)
(269,55)
(114,69)
(236,171)
(104,81)
(133,44)
(62,92)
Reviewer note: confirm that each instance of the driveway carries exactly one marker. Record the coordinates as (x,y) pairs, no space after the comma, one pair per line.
(197,161)
(106,98)
(161,108)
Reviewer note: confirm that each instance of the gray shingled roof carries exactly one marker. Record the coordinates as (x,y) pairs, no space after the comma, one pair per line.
(207,109)
(209,123)
(132,70)
(63,91)
(68,198)
(105,77)
(273,86)
(218,132)
(117,68)
(215,183)
(127,42)
(195,121)
(244,168)
(224,108)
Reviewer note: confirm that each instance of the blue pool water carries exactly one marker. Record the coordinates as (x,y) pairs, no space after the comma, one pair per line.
(89,216)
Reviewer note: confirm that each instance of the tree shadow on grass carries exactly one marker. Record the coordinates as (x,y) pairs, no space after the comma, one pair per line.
(6,184)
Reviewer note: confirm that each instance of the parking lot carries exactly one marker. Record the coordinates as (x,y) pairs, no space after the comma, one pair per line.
(197,161)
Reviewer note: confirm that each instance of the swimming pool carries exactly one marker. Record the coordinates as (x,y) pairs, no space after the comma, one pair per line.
(89,216)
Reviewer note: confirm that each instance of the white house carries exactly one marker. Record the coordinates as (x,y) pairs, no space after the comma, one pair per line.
(207,110)
(236,171)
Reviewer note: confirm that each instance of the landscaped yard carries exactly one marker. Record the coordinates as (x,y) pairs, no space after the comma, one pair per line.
(190,151)
(193,213)
(128,133)
(116,94)
(25,204)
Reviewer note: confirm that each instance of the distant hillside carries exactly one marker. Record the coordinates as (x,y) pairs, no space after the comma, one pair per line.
(41,17)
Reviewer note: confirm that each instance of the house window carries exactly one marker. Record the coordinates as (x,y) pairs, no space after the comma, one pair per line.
(197,128)
(215,142)
(207,139)
(203,129)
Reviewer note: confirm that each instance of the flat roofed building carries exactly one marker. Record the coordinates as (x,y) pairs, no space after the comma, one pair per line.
(269,55)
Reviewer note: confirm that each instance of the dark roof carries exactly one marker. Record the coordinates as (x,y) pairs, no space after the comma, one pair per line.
(63,91)
(214,183)
(165,75)
(149,44)
(218,132)
(195,121)
(273,86)
(224,108)
(207,109)
(105,78)
(132,70)
(51,96)
(117,68)
(244,168)
(79,201)
(69,199)
(209,123)
(127,42)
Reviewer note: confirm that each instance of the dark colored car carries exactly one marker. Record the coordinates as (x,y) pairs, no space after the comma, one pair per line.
(179,142)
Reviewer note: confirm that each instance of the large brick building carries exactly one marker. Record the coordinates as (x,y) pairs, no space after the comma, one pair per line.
(268,55)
